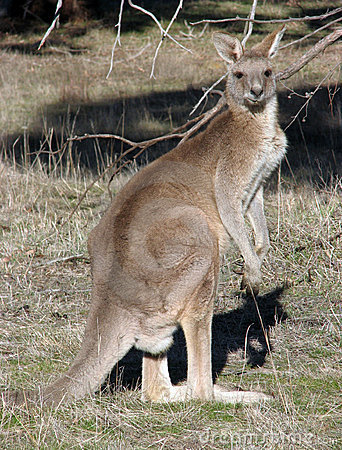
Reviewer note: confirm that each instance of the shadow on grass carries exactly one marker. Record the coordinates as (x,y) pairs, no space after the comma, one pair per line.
(141,117)
(315,136)
(231,332)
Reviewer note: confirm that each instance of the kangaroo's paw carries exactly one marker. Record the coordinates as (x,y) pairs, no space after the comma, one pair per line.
(178,394)
(172,394)
(252,287)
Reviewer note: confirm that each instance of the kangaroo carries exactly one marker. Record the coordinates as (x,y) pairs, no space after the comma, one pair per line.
(155,254)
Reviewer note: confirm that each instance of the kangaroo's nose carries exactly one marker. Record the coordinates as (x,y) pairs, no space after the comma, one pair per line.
(257,91)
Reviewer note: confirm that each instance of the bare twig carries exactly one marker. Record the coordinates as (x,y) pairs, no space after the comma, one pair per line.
(164,33)
(59,260)
(297,41)
(290,19)
(309,55)
(54,22)
(189,34)
(293,92)
(311,94)
(207,92)
(179,7)
(117,39)
(82,138)
(136,55)
(250,23)
(218,92)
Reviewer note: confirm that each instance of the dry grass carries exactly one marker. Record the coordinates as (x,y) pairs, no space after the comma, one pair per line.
(45,297)
(44,301)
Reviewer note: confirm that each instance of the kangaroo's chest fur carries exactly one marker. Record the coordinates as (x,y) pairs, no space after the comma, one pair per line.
(254,146)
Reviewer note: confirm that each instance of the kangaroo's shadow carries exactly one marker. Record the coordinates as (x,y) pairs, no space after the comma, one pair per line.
(238,330)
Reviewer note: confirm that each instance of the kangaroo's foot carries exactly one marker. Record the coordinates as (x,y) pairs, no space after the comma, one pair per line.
(244,397)
(181,394)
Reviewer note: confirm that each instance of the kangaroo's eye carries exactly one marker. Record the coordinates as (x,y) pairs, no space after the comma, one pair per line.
(268,73)
(238,75)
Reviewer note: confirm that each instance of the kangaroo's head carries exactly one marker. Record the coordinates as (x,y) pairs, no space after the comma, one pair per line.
(251,82)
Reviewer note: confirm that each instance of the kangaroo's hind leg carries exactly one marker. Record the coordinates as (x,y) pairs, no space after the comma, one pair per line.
(189,292)
(197,332)
(156,383)
(196,324)
(196,317)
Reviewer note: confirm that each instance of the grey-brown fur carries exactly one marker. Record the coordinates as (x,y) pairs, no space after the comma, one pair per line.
(155,254)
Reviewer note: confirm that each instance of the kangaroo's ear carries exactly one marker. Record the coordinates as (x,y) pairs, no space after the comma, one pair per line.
(228,47)
(269,46)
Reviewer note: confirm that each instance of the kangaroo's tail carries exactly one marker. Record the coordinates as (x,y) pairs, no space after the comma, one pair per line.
(108,337)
